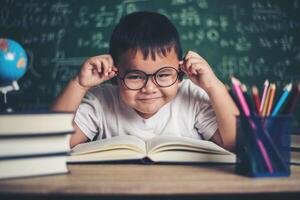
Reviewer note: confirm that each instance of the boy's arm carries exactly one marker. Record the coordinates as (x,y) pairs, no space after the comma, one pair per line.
(95,70)
(78,137)
(200,73)
(226,112)
(70,98)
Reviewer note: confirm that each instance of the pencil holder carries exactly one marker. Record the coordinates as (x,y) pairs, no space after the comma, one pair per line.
(263,146)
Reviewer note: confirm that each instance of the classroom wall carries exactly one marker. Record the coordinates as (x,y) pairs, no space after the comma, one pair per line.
(252,40)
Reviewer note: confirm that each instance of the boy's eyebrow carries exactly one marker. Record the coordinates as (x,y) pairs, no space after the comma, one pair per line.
(132,70)
(128,67)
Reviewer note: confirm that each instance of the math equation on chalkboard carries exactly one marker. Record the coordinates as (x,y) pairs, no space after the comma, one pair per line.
(254,40)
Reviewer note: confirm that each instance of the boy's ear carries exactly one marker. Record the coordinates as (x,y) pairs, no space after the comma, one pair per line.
(180,75)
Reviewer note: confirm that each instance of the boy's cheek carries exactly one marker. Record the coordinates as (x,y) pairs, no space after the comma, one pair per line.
(127,95)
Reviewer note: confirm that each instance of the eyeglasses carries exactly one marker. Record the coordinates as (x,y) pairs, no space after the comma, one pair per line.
(164,77)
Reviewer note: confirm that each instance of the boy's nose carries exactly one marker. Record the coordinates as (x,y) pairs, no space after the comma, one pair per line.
(150,86)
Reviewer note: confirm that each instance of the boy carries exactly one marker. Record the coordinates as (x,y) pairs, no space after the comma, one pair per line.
(150,98)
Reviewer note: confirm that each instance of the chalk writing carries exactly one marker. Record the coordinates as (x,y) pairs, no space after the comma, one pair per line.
(256,38)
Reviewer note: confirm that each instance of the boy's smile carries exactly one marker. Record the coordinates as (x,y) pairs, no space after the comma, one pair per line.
(150,98)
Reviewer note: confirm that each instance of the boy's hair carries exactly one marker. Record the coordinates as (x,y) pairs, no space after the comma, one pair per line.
(150,32)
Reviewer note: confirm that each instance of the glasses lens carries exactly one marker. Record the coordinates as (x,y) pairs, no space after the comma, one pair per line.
(166,76)
(135,80)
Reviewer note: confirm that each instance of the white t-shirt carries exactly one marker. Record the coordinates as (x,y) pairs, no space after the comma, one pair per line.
(103,114)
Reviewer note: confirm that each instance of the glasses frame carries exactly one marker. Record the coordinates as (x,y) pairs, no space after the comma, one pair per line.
(150,75)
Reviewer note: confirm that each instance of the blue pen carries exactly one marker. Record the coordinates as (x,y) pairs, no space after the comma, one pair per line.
(283,97)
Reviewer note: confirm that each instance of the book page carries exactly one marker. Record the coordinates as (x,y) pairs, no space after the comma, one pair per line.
(119,142)
(168,143)
(111,155)
(191,157)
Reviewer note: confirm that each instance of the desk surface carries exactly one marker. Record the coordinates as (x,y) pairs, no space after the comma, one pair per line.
(137,179)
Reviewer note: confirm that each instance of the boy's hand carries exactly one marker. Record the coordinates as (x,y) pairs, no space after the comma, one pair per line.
(96,70)
(198,70)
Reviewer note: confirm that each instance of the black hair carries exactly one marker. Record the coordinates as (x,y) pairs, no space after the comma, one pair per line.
(150,32)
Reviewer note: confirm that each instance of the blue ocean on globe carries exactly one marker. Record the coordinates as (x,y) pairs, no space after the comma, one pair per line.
(13,61)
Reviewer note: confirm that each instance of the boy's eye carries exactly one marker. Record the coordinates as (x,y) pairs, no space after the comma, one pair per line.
(135,76)
(164,75)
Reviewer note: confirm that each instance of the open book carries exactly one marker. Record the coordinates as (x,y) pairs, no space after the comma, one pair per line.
(168,149)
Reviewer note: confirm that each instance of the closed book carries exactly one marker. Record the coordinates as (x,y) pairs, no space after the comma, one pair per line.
(34,145)
(295,156)
(47,122)
(32,166)
(295,140)
(295,148)
(161,149)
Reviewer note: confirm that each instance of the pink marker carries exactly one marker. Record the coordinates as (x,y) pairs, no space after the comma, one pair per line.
(236,86)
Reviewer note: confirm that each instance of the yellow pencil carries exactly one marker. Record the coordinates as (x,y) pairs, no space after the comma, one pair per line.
(271,98)
(265,106)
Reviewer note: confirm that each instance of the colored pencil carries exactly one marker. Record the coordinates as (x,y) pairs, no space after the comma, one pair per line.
(266,101)
(271,99)
(247,98)
(287,89)
(262,102)
(255,96)
(234,97)
(237,88)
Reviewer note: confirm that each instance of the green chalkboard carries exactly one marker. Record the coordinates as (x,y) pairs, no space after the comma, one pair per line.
(253,40)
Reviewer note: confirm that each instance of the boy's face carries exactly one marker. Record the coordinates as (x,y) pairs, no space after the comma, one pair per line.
(150,98)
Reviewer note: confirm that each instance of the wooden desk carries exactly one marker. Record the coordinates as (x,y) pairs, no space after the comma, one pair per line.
(171,181)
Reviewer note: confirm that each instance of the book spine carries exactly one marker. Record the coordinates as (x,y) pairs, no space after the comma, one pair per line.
(66,153)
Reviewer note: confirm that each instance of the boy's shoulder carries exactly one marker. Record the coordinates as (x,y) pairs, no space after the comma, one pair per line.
(104,87)
(104,91)
(187,87)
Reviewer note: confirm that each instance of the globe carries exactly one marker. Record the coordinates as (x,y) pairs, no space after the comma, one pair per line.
(13,61)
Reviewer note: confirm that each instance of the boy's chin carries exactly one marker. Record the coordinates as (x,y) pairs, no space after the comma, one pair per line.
(146,113)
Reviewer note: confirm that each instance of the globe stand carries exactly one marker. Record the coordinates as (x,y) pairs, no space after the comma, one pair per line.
(4,90)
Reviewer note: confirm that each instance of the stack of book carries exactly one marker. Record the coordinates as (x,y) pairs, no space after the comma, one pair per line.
(295,148)
(34,144)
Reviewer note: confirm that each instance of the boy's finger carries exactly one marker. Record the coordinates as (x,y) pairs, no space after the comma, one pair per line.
(190,61)
(99,69)
(184,68)
(105,66)
(196,68)
(115,69)
(112,74)
(94,64)
(110,60)
(192,54)
(188,55)
(188,65)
